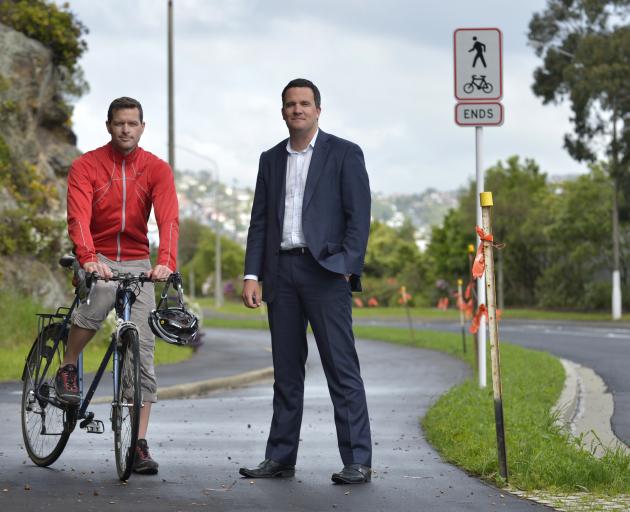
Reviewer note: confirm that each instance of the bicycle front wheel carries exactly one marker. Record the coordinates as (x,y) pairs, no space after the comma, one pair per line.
(468,88)
(46,423)
(127,404)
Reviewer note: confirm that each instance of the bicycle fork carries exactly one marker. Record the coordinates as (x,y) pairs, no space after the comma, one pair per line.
(124,300)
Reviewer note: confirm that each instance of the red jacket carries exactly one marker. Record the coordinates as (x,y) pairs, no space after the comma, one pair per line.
(109,201)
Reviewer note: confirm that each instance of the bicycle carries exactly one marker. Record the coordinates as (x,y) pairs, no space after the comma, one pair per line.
(48,422)
(478,81)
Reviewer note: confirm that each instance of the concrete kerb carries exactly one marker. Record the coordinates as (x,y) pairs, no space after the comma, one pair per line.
(206,386)
(585,407)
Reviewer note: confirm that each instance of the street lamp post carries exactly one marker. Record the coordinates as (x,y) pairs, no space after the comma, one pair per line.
(218,278)
(171,108)
(218,284)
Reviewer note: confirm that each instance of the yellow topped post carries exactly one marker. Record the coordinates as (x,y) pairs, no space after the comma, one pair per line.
(485,199)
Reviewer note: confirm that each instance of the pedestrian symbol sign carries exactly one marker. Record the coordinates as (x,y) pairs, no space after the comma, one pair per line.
(478,64)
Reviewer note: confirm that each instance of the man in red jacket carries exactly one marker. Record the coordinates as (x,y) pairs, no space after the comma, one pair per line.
(111,191)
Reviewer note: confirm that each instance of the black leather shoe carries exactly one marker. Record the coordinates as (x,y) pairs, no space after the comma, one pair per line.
(353,474)
(269,469)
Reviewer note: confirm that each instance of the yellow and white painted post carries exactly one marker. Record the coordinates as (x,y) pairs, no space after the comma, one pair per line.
(497,392)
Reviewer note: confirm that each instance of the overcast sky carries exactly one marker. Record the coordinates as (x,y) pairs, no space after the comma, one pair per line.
(385,70)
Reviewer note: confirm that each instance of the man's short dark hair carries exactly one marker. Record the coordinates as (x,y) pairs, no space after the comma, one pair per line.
(303,82)
(121,103)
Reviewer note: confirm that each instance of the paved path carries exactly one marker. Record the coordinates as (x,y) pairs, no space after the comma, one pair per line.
(201,443)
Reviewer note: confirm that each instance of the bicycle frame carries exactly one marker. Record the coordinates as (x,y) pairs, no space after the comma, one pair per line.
(124,300)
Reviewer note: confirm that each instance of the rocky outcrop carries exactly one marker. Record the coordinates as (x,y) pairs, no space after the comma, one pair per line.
(35,127)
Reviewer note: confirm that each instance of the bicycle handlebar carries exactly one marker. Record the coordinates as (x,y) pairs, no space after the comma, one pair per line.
(128,276)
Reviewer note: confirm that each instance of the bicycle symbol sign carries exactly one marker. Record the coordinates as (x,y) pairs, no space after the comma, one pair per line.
(478,64)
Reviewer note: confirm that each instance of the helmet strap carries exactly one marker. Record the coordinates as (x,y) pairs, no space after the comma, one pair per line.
(176,280)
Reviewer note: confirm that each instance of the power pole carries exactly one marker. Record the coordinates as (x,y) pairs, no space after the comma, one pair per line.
(616,274)
(171,113)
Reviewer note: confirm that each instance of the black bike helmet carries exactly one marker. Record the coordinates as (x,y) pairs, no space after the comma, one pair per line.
(176,324)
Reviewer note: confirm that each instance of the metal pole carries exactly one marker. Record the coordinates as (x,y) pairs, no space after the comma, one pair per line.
(481,282)
(462,322)
(218,284)
(616,274)
(171,110)
(497,392)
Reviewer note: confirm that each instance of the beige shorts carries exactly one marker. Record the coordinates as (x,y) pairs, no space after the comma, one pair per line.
(102,302)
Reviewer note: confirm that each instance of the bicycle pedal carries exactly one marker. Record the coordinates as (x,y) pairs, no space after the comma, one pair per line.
(93,427)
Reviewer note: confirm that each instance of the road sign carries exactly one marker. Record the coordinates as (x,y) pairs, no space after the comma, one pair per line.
(478,64)
(479,114)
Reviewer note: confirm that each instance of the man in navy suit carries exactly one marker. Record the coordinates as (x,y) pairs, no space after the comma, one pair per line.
(306,243)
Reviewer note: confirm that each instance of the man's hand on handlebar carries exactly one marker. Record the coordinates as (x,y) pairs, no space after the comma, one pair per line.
(160,273)
(100,268)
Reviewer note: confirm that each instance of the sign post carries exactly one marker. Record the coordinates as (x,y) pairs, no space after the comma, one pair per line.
(478,73)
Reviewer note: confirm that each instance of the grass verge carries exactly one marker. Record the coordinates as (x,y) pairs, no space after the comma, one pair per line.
(236,309)
(460,425)
(19,329)
(12,360)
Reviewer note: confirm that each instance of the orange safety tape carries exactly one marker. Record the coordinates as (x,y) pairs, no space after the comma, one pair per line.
(468,292)
(459,301)
(482,311)
(469,309)
(474,326)
(479,264)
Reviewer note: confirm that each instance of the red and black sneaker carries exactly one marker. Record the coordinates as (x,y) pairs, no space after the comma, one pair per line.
(144,464)
(66,387)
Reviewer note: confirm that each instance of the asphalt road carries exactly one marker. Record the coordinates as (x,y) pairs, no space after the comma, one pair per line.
(200,444)
(603,347)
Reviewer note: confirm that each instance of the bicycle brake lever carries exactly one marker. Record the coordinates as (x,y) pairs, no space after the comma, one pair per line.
(92,285)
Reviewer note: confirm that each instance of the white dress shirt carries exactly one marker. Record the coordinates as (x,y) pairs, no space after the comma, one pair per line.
(298,163)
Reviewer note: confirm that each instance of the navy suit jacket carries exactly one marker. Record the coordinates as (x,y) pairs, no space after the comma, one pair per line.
(335,211)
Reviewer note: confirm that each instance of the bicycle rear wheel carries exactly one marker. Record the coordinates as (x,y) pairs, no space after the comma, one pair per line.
(46,423)
(127,404)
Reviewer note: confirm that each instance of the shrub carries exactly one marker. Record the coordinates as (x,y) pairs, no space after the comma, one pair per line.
(56,28)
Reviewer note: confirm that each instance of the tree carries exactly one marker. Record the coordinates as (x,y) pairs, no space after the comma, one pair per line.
(393,259)
(190,234)
(585,47)
(448,248)
(521,193)
(198,242)
(574,238)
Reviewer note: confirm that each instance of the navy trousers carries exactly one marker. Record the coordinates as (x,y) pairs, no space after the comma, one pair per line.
(308,293)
